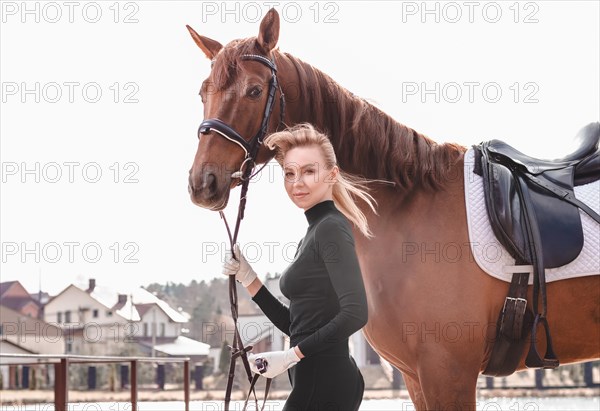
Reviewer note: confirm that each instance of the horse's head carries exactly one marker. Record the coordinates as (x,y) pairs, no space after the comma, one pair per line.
(238,96)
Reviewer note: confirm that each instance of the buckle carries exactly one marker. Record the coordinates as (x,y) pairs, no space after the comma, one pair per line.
(513,313)
(261,365)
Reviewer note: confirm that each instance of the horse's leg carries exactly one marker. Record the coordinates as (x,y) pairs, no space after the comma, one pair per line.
(447,382)
(414,390)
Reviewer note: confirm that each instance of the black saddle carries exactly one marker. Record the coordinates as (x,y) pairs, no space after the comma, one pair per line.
(585,158)
(535,216)
(514,182)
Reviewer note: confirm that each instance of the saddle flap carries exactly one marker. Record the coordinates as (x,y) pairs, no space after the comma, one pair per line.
(504,210)
(559,222)
(560,227)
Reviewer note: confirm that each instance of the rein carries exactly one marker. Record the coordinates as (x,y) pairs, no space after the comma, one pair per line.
(245,174)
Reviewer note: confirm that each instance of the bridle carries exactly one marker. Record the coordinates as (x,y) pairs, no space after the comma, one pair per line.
(245,174)
(250,147)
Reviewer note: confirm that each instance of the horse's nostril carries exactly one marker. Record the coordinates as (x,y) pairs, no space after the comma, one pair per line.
(210,182)
(203,186)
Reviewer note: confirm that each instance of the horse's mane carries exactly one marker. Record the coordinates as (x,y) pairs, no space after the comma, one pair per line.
(367,141)
(370,142)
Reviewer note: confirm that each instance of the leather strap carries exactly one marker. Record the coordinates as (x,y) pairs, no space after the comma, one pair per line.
(539,285)
(252,383)
(512,329)
(565,195)
(513,312)
(251,151)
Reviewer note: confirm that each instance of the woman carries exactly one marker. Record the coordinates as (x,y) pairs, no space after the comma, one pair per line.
(324,283)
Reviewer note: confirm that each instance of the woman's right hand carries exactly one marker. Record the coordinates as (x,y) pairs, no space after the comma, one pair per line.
(240,268)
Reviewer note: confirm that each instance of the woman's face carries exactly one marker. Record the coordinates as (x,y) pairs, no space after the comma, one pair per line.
(307,182)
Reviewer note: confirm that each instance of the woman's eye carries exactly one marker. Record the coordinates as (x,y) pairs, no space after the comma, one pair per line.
(309,171)
(254,92)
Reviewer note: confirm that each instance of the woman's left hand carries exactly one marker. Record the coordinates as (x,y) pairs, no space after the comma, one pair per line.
(277,362)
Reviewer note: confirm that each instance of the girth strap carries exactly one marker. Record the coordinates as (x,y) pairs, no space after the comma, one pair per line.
(512,328)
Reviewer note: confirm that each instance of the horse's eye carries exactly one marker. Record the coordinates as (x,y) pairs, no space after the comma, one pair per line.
(254,92)
(206,89)
(202,91)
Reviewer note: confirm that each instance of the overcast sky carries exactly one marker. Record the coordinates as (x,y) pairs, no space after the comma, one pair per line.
(100,109)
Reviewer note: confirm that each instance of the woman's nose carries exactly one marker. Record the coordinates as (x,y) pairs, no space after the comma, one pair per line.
(299,181)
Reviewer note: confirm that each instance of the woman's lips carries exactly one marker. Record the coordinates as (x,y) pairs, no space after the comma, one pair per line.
(300,195)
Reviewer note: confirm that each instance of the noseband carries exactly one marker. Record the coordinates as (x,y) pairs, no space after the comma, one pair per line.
(250,147)
(244,174)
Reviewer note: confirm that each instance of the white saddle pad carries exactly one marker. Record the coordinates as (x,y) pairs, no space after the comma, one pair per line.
(493,258)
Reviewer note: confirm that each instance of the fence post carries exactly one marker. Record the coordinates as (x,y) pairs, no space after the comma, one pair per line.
(539,378)
(198,376)
(25,377)
(124,376)
(396,379)
(61,387)
(160,376)
(186,384)
(588,375)
(91,377)
(133,384)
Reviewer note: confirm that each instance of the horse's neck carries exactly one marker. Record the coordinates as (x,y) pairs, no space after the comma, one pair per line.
(367,141)
(321,101)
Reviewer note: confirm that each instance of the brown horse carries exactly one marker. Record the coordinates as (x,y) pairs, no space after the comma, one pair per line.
(431,317)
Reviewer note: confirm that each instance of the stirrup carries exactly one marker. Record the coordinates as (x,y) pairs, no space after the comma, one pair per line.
(534,360)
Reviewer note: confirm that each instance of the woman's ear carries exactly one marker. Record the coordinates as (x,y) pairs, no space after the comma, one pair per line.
(333,174)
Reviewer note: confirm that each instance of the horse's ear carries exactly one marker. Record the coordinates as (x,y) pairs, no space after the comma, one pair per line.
(269,31)
(208,46)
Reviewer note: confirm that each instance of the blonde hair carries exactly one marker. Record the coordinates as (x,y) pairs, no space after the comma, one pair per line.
(346,186)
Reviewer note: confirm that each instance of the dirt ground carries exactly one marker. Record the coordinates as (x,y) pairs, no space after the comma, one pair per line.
(17,397)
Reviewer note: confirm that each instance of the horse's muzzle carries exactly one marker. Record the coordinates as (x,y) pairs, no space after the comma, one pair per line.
(203,189)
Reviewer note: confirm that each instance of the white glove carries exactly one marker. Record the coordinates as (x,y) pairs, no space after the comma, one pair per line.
(241,269)
(277,361)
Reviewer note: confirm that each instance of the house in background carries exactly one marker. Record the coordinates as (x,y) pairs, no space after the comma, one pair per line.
(160,327)
(14,296)
(101,321)
(91,324)
(22,332)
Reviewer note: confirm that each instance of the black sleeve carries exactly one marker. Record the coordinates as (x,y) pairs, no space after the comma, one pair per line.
(335,245)
(275,310)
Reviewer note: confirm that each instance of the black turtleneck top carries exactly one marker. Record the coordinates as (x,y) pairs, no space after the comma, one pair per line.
(323,283)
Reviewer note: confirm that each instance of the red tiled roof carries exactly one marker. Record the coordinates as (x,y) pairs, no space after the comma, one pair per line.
(16,303)
(5,286)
